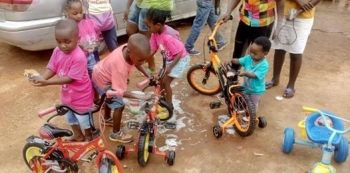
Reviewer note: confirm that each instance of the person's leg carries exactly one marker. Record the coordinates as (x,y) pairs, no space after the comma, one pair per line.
(295,65)
(74,123)
(240,42)
(86,125)
(117,118)
(278,61)
(167,89)
(110,37)
(198,24)
(133,20)
(212,19)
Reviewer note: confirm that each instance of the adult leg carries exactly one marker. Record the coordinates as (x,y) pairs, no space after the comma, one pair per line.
(212,19)
(278,61)
(133,20)
(242,35)
(110,37)
(295,65)
(198,24)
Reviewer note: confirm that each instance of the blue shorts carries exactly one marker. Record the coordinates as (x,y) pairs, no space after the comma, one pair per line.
(180,67)
(116,102)
(84,121)
(137,16)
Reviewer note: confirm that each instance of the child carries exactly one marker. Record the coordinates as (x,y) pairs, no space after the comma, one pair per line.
(177,58)
(102,13)
(256,67)
(69,63)
(112,73)
(88,33)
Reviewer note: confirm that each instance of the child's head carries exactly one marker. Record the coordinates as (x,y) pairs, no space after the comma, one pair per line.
(74,10)
(66,33)
(138,49)
(155,19)
(260,48)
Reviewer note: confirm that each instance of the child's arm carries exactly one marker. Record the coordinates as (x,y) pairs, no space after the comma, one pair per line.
(143,71)
(248,74)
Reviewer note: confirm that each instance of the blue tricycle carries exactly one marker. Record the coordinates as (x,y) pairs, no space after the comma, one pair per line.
(324,130)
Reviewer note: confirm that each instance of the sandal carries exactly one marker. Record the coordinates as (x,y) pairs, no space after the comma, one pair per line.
(289,93)
(270,84)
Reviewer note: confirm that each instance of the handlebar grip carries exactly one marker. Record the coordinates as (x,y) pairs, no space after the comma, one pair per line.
(46,111)
(309,109)
(230,18)
(143,84)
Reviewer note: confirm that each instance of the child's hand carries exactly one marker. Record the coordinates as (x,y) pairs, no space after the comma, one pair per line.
(38,81)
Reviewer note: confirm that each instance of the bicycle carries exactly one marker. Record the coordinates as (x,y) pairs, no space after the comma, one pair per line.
(213,77)
(51,153)
(146,142)
(324,130)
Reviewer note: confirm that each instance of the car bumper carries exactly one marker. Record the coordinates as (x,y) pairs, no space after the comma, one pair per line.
(29,35)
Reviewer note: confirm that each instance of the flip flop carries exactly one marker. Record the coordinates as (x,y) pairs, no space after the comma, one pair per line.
(288,93)
(270,84)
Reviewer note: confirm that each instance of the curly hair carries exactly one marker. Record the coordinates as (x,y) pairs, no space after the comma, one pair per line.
(158,16)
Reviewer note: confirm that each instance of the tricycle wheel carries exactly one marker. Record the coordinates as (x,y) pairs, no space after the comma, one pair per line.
(120,153)
(143,149)
(288,140)
(217,131)
(262,122)
(170,158)
(341,151)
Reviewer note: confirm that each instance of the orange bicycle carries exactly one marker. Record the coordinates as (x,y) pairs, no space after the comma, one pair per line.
(213,77)
(50,153)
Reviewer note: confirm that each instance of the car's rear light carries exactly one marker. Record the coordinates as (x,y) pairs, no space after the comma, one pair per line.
(15,5)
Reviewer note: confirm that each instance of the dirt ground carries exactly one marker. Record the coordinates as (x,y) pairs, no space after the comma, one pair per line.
(322,83)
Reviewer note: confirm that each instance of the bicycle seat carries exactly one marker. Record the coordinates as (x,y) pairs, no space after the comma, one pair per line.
(49,132)
(320,133)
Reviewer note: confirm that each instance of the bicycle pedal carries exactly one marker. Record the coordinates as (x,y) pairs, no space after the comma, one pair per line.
(133,125)
(170,125)
(215,105)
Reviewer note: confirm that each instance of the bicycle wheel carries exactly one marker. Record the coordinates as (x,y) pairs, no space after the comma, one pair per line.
(108,166)
(203,80)
(244,110)
(32,154)
(164,110)
(143,149)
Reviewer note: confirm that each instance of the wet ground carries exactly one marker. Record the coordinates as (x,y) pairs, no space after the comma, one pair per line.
(323,83)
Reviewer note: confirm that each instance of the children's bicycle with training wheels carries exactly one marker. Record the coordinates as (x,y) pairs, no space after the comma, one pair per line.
(146,143)
(213,77)
(51,153)
(324,130)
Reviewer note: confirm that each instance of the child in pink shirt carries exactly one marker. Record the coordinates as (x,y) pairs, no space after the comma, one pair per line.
(88,32)
(68,63)
(112,73)
(177,58)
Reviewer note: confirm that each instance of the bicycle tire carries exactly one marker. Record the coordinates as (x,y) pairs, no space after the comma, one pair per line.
(169,110)
(243,104)
(36,149)
(200,87)
(107,166)
(143,149)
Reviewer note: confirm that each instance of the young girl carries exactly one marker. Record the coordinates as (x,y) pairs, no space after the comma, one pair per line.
(68,63)
(88,31)
(102,13)
(177,58)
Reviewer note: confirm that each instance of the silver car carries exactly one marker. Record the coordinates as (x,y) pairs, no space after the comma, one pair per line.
(29,24)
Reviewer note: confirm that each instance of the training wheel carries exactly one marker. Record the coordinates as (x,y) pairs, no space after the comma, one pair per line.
(262,122)
(120,152)
(322,168)
(170,159)
(217,131)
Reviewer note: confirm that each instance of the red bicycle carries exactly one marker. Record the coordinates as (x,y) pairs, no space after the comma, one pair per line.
(146,143)
(50,153)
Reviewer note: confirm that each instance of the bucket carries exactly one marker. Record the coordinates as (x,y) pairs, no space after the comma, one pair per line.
(301,125)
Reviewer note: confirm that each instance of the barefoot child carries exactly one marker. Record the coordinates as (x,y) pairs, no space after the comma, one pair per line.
(255,69)
(68,62)
(112,73)
(177,58)
(88,32)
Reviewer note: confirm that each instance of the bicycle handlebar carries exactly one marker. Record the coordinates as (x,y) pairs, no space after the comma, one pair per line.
(324,115)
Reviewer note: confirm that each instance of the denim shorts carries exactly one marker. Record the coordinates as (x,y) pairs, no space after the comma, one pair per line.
(180,67)
(116,102)
(137,16)
(84,121)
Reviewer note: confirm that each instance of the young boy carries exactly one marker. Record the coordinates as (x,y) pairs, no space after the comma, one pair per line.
(69,63)
(255,69)
(112,73)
